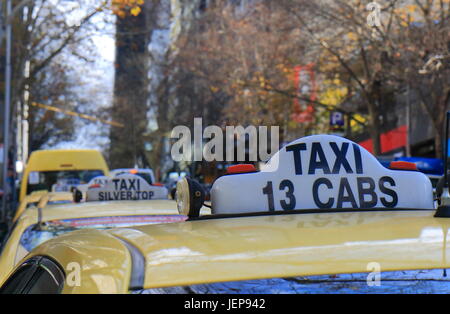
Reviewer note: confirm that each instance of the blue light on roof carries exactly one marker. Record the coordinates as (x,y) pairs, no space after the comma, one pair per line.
(426,165)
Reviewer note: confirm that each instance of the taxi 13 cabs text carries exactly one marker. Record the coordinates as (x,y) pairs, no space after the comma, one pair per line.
(366,186)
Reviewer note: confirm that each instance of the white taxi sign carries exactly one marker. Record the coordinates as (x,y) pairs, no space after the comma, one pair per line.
(321,172)
(101,180)
(95,181)
(125,187)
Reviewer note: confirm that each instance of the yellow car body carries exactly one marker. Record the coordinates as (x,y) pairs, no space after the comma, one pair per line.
(35,197)
(13,251)
(264,246)
(295,218)
(61,160)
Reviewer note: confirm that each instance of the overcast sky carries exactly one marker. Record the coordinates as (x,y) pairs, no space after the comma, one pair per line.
(98,83)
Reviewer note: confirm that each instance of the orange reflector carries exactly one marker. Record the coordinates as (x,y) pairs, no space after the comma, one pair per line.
(133,171)
(244,168)
(403,165)
(94,186)
(158,184)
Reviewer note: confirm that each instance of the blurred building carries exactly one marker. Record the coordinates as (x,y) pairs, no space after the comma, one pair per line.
(404,123)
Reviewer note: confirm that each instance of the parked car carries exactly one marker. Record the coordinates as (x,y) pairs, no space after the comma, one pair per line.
(323,216)
(46,168)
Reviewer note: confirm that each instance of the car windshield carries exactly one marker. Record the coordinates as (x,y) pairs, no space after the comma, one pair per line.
(34,235)
(411,281)
(59,181)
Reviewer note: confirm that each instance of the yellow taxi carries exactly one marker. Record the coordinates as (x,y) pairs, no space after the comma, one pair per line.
(322,216)
(50,170)
(37,196)
(57,213)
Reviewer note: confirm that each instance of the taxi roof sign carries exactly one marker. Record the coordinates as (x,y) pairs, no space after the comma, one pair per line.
(100,180)
(321,172)
(124,187)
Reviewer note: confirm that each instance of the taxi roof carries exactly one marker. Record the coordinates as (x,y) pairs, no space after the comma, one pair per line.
(35,197)
(100,209)
(274,246)
(60,159)
(289,245)
(250,236)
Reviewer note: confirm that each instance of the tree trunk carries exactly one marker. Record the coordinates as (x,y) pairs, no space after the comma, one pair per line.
(439,124)
(130,90)
(375,128)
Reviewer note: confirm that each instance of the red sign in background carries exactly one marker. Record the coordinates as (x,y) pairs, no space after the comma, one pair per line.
(391,140)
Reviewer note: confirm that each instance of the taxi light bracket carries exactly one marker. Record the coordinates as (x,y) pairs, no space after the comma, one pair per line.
(77,195)
(443,210)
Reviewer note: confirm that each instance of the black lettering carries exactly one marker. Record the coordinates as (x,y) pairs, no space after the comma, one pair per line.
(101,196)
(289,194)
(132,185)
(123,185)
(137,195)
(116,181)
(370,190)
(116,196)
(317,151)
(345,189)
(296,149)
(358,160)
(385,190)
(315,192)
(129,195)
(341,158)
(150,195)
(268,190)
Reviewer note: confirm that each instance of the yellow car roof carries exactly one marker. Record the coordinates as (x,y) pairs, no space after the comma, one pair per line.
(104,261)
(271,246)
(35,197)
(81,210)
(99,209)
(289,245)
(66,159)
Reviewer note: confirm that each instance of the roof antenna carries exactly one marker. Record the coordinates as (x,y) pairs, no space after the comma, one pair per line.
(443,210)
